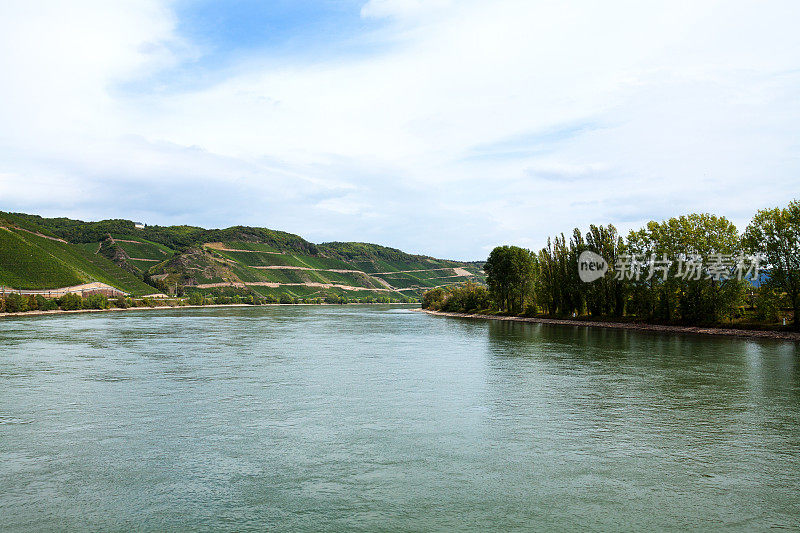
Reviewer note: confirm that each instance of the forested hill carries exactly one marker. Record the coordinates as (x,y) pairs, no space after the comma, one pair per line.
(47,253)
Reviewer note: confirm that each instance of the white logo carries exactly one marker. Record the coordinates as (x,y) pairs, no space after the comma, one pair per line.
(591,266)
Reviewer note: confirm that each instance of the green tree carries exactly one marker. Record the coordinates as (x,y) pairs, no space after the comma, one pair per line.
(775,235)
(606,296)
(70,302)
(434,299)
(556,285)
(469,296)
(196,298)
(15,303)
(96,301)
(45,304)
(767,303)
(509,274)
(701,238)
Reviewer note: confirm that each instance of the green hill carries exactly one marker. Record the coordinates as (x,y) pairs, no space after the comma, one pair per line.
(30,261)
(39,253)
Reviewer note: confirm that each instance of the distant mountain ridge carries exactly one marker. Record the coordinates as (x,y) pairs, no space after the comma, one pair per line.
(48,253)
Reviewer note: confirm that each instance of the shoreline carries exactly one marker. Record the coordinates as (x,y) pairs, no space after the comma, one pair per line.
(685,330)
(165,307)
(634,326)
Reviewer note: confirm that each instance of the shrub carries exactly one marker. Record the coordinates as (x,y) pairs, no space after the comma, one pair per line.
(96,301)
(434,298)
(70,302)
(45,304)
(196,299)
(768,305)
(15,303)
(459,299)
(467,297)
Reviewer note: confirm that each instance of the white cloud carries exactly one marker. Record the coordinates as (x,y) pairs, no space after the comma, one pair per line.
(402,9)
(347,205)
(593,112)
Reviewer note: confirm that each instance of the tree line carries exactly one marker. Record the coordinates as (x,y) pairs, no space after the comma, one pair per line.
(702,275)
(19,303)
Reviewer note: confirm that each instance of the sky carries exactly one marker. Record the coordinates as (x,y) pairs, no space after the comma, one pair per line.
(440,127)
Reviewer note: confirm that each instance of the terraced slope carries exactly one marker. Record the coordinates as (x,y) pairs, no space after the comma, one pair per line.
(133,254)
(21,266)
(30,261)
(54,252)
(268,271)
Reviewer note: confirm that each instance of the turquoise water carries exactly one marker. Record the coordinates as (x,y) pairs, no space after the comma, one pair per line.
(378,418)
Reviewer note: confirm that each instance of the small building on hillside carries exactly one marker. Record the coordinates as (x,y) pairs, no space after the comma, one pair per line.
(138,225)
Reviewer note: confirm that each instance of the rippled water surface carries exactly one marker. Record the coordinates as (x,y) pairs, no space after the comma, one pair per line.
(378,418)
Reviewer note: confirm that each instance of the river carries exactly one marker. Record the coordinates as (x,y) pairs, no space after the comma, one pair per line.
(348,418)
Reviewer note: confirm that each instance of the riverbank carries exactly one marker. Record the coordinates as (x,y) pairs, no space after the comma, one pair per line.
(165,307)
(692,330)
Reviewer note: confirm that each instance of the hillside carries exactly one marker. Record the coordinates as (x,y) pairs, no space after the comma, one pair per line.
(31,261)
(44,253)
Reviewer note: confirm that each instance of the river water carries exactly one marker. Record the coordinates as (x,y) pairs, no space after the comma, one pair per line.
(344,418)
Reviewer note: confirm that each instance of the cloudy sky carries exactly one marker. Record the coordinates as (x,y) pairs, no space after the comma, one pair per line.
(442,127)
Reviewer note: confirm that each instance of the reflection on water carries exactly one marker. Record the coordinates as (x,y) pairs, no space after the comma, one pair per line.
(374,417)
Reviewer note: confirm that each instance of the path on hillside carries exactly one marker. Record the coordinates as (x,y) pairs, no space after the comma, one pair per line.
(458,270)
(292,267)
(221,247)
(275,285)
(34,233)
